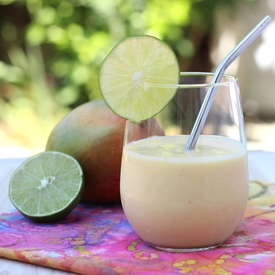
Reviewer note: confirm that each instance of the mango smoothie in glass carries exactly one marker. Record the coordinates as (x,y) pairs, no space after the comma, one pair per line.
(176,199)
(180,200)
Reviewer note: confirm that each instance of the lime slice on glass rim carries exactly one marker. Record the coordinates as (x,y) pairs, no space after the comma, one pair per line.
(47,186)
(139,77)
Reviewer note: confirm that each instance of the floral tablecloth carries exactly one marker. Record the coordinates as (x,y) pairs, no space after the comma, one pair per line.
(99,240)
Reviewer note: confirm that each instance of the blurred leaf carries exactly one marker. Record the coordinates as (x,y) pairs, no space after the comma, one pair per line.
(9,32)
(18,57)
(10,74)
(35,34)
(80,74)
(165,15)
(6,2)
(46,16)
(94,48)
(65,9)
(57,35)
(68,95)
(185,47)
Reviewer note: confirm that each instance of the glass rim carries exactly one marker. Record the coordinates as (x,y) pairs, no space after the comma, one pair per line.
(229,80)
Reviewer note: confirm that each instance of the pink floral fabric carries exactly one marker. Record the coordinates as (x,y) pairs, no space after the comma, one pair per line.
(99,240)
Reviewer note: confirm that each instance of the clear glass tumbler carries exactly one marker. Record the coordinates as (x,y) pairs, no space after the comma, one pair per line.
(187,200)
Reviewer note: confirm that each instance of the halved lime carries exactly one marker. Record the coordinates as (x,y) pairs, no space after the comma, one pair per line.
(132,75)
(47,186)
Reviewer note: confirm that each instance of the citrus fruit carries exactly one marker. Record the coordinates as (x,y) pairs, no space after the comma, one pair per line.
(138,78)
(47,186)
(93,135)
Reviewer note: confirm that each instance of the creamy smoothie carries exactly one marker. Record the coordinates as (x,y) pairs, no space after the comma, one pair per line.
(184,199)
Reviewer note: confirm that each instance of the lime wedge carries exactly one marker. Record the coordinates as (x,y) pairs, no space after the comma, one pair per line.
(47,186)
(131,76)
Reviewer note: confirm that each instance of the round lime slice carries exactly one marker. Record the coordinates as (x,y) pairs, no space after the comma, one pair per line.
(133,74)
(47,186)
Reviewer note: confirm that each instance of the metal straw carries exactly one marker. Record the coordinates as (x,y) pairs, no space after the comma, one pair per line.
(206,105)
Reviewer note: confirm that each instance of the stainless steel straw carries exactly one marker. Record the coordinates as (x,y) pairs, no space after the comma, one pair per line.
(206,105)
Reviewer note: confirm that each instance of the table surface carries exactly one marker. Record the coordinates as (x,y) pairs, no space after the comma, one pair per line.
(260,164)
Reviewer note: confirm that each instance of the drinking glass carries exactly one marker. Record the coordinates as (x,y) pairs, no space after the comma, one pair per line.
(187,200)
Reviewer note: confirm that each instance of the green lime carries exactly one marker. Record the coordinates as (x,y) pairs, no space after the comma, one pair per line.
(133,74)
(47,186)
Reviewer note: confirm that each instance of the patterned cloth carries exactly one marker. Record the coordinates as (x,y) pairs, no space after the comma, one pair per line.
(99,240)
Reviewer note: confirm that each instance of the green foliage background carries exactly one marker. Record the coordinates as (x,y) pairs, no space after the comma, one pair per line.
(51,51)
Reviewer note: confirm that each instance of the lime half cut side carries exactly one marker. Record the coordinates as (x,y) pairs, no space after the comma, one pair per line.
(133,74)
(47,186)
